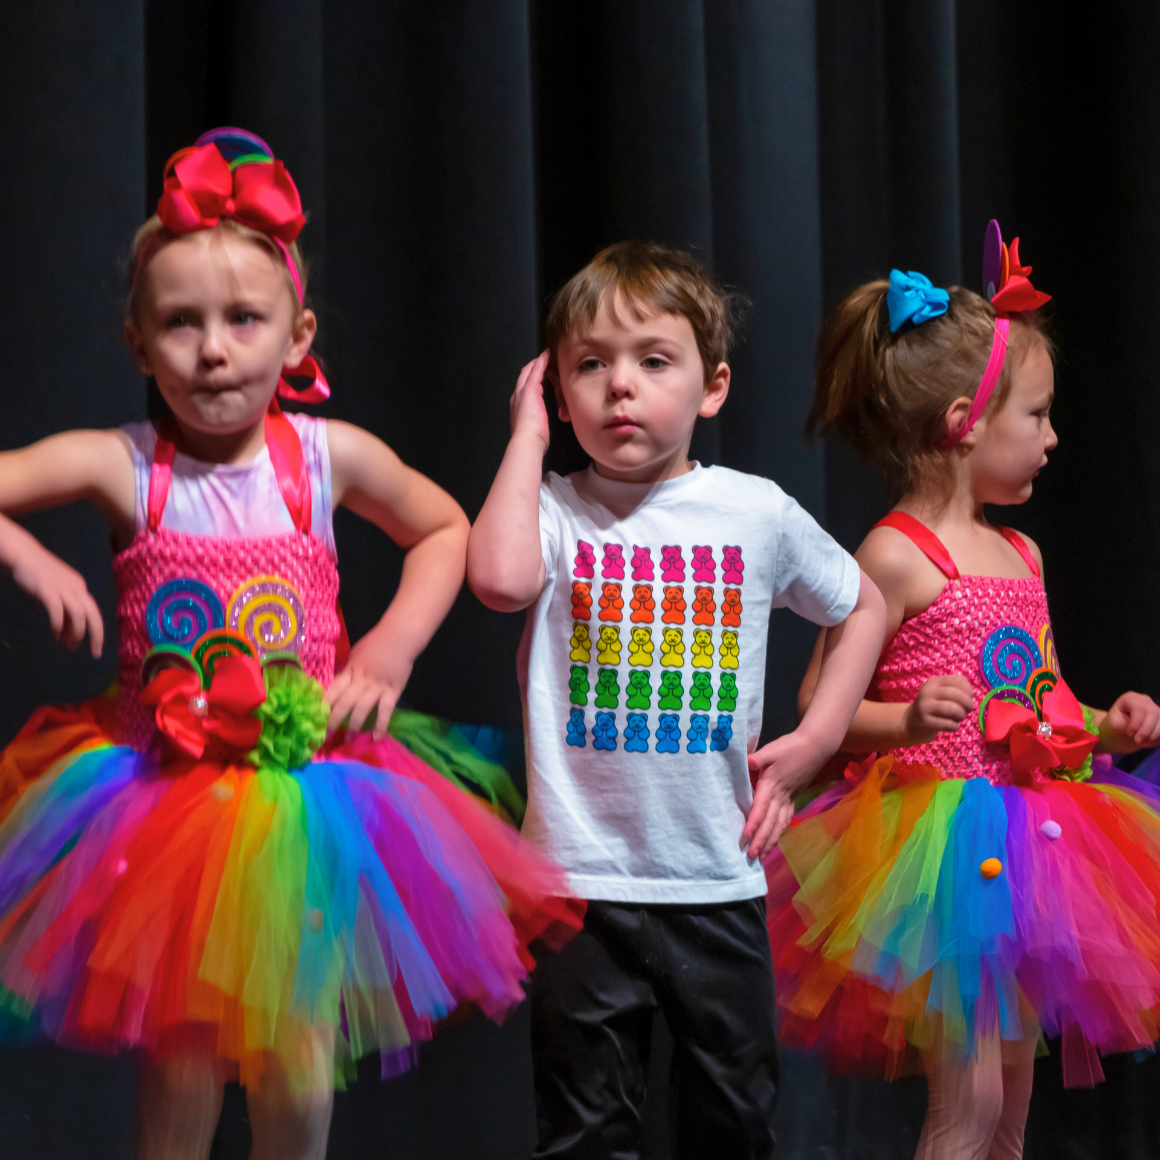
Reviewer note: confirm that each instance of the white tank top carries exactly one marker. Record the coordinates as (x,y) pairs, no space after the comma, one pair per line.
(231,500)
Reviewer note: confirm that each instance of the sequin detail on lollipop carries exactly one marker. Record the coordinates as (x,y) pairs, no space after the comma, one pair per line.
(180,611)
(268,612)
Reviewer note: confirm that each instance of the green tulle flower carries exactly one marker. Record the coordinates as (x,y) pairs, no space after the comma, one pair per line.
(293,718)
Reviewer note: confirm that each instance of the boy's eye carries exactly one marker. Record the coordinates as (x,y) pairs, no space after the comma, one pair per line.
(588,365)
(654,362)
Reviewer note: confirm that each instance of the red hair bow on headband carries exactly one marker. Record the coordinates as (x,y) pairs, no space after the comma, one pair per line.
(1008,284)
(202,189)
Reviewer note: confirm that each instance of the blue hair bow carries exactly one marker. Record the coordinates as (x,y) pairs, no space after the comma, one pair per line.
(912,298)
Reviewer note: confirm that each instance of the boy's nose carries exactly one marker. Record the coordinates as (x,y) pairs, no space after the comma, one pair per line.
(621,382)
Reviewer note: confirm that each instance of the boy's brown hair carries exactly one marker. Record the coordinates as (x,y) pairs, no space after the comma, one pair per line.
(648,278)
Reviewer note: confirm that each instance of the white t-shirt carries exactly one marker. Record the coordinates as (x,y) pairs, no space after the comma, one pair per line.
(642,672)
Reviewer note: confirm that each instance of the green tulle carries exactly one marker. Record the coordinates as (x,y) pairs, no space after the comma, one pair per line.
(293,718)
(443,747)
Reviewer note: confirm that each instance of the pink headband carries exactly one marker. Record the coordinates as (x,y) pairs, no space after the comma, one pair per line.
(1008,286)
(986,387)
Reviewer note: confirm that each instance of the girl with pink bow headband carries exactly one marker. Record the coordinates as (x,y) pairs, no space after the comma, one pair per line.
(211,865)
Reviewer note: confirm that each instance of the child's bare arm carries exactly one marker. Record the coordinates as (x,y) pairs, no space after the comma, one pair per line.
(788,762)
(91,465)
(505,566)
(371,480)
(908,584)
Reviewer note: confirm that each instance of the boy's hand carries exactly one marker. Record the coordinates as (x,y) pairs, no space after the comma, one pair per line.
(779,770)
(72,612)
(941,706)
(373,680)
(528,412)
(1132,723)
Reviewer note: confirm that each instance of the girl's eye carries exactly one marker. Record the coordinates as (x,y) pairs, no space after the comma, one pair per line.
(244,318)
(174,321)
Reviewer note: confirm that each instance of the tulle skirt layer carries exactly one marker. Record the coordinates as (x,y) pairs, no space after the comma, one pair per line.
(913,914)
(152,905)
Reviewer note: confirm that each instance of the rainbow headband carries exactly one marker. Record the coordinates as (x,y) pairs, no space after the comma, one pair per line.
(230,173)
(913,300)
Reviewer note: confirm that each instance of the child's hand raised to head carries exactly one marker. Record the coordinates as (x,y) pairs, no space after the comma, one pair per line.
(779,770)
(1133,722)
(942,704)
(372,682)
(528,411)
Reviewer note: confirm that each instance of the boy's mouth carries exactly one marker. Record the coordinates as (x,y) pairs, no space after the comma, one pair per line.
(622,425)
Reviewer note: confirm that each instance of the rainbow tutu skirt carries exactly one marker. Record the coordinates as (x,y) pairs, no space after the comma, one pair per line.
(216,905)
(910,914)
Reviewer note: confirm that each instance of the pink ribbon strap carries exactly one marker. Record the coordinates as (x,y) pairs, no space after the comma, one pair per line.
(986,387)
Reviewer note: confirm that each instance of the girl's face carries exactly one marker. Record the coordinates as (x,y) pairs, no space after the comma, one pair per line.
(633,389)
(1011,445)
(215,326)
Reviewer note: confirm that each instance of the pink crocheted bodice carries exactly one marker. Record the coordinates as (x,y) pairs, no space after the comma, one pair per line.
(278,592)
(947,638)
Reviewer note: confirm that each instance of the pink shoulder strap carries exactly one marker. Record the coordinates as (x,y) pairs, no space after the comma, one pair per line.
(285,456)
(924,539)
(1020,545)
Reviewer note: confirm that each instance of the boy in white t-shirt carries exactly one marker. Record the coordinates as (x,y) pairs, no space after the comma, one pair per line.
(649,581)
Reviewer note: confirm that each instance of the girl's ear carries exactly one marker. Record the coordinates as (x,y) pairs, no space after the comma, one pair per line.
(135,341)
(301,338)
(956,415)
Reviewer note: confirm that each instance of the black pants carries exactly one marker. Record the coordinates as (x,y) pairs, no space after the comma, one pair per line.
(708,968)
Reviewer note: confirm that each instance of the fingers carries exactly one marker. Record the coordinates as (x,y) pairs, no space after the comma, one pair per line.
(385,706)
(773,825)
(762,794)
(94,626)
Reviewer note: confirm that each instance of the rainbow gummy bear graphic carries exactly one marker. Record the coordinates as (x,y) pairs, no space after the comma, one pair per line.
(673,647)
(673,606)
(704,569)
(612,567)
(642,565)
(731,609)
(577,729)
(585,560)
(701,694)
(642,604)
(604,731)
(639,690)
(581,600)
(703,605)
(636,733)
(640,647)
(672,564)
(668,733)
(611,602)
(581,643)
(732,566)
(578,685)
(702,649)
(698,732)
(607,689)
(609,644)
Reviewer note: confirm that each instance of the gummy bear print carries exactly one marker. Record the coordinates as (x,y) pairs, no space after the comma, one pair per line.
(585,560)
(577,730)
(668,734)
(642,604)
(701,694)
(607,689)
(702,649)
(642,564)
(636,733)
(609,643)
(673,648)
(703,606)
(639,690)
(730,650)
(704,567)
(698,732)
(727,692)
(581,644)
(612,566)
(672,564)
(640,647)
(731,609)
(578,685)
(732,566)
(673,606)
(723,734)
(581,600)
(611,602)
(604,731)
(672,691)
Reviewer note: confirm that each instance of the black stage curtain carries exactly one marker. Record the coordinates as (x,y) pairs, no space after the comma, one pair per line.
(459,161)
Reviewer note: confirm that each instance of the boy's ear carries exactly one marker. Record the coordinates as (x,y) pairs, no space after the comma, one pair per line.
(716,392)
(552,375)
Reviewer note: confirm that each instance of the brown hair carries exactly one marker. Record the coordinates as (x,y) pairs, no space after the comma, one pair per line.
(888,394)
(153,236)
(648,277)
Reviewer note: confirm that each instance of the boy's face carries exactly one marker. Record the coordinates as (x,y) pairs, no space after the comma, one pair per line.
(633,390)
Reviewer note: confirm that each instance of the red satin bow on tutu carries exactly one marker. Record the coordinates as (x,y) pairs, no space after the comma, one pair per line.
(202,189)
(191,717)
(1058,739)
